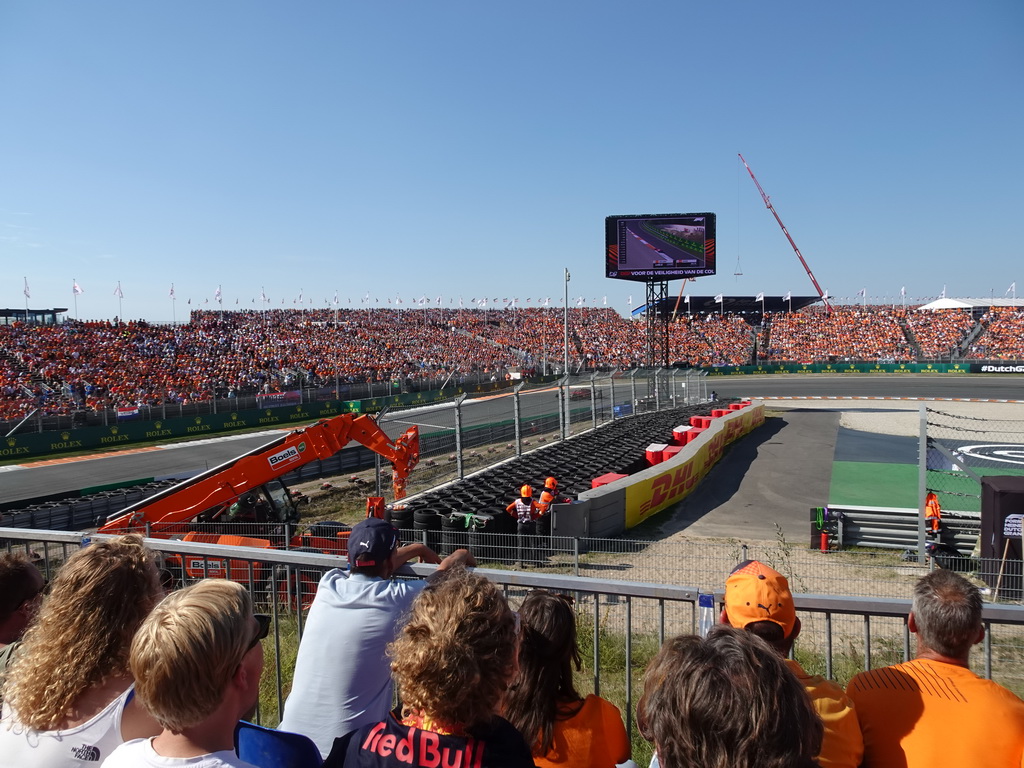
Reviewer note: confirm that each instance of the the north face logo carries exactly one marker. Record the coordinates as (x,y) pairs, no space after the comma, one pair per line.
(86,752)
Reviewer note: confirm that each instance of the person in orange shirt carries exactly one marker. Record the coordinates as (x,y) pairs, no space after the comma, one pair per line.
(933,710)
(563,729)
(548,495)
(932,513)
(758,600)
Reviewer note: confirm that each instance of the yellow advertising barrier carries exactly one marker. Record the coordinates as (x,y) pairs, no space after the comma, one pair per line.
(676,478)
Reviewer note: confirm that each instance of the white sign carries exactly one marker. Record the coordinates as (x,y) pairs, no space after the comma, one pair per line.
(1012,526)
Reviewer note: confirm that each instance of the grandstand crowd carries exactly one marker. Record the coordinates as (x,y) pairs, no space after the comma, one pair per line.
(75,365)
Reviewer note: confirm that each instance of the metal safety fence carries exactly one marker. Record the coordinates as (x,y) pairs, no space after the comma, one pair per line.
(623,614)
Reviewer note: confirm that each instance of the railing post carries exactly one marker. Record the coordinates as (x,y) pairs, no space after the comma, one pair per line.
(611,391)
(593,400)
(460,468)
(922,478)
(563,407)
(576,556)
(632,389)
(657,391)
(517,417)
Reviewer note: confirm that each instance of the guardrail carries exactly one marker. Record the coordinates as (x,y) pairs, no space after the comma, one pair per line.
(897,528)
(621,623)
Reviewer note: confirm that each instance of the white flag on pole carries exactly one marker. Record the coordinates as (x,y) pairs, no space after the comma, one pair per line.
(1012,288)
(76,289)
(219,297)
(788,296)
(26,291)
(720,299)
(686,299)
(118,292)
(759,297)
(903,291)
(863,292)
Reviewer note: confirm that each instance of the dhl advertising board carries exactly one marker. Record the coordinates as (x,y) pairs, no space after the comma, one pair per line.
(646,496)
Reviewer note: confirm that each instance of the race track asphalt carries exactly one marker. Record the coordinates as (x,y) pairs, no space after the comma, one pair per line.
(775,475)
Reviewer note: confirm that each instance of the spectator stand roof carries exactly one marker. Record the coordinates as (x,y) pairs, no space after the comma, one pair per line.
(973,304)
(35,316)
(736,304)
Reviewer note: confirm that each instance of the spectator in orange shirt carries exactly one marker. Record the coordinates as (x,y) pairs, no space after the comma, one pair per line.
(933,711)
(564,729)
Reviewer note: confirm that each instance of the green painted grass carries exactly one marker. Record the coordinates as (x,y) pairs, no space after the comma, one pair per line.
(873,484)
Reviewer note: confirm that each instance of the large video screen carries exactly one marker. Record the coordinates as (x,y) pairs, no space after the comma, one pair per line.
(654,247)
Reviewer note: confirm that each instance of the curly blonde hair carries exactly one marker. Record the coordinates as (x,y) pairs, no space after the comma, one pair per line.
(456,655)
(83,631)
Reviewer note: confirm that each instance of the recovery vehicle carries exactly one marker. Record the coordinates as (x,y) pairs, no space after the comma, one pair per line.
(246,495)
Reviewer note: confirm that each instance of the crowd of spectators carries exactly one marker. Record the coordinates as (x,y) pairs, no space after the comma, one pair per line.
(846,333)
(75,365)
(1002,337)
(939,333)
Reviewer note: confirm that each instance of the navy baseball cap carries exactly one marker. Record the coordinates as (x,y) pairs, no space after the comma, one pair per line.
(371,542)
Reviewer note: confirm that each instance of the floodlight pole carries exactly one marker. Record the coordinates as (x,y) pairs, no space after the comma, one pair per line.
(565,352)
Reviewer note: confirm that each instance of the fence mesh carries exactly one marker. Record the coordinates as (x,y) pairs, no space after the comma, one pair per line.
(963,447)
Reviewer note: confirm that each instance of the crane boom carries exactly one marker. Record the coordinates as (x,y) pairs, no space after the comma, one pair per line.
(768,203)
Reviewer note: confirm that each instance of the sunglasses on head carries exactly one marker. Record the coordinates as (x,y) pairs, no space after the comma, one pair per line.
(264,621)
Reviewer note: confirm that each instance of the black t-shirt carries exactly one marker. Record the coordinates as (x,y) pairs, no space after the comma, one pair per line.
(390,744)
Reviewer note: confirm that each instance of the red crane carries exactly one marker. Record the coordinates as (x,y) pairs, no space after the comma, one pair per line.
(768,203)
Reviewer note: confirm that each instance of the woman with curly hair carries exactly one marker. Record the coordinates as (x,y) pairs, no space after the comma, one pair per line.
(564,729)
(68,697)
(453,662)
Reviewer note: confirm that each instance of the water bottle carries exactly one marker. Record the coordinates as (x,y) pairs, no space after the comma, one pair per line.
(705,613)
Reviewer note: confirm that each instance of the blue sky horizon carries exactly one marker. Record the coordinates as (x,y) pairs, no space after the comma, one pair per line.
(463,150)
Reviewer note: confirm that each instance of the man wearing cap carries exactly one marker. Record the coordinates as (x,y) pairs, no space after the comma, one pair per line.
(933,711)
(758,600)
(342,675)
(548,495)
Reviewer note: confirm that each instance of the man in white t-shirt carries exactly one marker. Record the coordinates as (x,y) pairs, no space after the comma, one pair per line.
(197,662)
(342,675)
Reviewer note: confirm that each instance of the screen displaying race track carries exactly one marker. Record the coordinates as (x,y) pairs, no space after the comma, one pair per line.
(655,247)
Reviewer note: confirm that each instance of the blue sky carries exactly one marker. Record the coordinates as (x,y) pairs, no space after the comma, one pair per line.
(467,149)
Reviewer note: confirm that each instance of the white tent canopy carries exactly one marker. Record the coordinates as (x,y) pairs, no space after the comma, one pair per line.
(971,304)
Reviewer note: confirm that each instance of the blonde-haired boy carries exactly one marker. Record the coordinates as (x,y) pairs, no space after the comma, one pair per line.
(197,661)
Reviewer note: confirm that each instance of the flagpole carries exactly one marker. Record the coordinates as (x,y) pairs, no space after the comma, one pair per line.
(74,293)
(26,292)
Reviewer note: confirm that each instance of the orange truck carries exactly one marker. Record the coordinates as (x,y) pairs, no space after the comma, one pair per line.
(248,490)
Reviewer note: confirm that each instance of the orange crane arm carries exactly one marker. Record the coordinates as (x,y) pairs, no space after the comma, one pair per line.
(171,511)
(768,203)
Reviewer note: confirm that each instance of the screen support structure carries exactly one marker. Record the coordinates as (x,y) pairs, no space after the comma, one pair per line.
(657,324)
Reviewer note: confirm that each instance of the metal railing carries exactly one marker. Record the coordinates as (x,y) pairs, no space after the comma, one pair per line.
(621,623)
